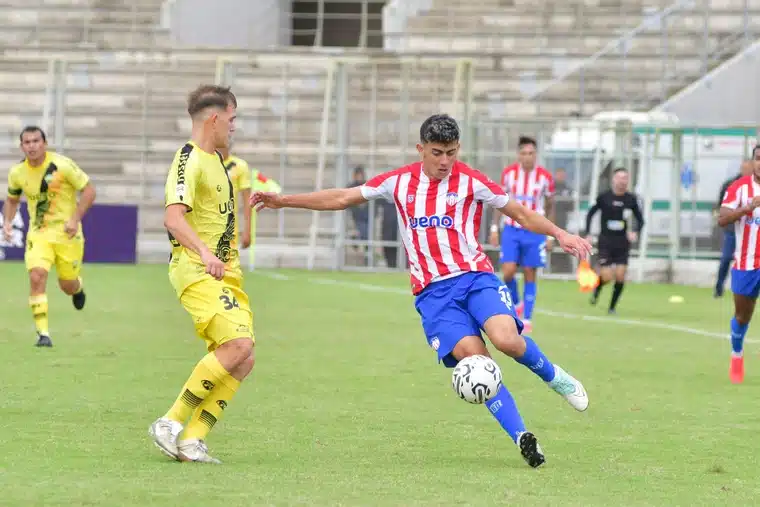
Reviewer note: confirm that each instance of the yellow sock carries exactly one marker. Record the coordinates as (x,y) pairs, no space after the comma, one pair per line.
(207,375)
(39,306)
(206,415)
(81,285)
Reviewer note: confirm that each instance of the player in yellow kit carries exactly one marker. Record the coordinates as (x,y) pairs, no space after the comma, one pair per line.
(50,182)
(204,270)
(243,180)
(240,176)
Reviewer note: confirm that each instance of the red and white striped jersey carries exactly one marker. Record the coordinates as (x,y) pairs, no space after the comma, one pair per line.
(439,220)
(740,193)
(529,188)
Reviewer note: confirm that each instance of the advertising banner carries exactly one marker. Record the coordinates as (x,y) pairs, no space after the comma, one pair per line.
(110,233)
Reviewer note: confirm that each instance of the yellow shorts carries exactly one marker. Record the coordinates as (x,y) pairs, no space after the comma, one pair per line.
(66,253)
(220,311)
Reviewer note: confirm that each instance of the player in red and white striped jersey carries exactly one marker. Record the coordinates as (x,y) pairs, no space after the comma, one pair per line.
(533,187)
(439,202)
(739,207)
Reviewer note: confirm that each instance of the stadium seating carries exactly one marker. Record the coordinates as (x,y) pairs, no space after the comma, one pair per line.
(546,39)
(124,100)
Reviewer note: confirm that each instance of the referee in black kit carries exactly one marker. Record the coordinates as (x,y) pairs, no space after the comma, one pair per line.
(614,239)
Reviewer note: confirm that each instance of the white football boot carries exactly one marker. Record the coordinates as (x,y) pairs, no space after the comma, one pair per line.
(569,388)
(165,433)
(195,450)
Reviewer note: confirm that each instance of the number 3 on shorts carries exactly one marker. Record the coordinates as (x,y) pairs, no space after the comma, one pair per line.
(505,297)
(229,303)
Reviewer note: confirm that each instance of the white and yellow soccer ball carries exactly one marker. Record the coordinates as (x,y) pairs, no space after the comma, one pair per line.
(476,379)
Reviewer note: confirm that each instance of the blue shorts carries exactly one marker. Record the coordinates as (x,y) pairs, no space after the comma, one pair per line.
(457,307)
(523,247)
(745,283)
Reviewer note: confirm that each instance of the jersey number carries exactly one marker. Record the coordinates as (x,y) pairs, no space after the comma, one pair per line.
(229,304)
(505,297)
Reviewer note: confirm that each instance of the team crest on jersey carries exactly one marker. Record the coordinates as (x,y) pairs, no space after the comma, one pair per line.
(452,198)
(410,198)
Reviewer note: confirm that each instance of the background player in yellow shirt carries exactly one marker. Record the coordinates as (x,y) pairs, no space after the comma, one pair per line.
(204,270)
(243,181)
(50,182)
(240,176)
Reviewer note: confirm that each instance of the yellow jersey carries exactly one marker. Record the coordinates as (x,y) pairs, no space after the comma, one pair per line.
(199,180)
(50,190)
(240,174)
(243,178)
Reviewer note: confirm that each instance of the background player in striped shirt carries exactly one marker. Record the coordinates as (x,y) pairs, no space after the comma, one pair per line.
(739,207)
(729,235)
(533,187)
(439,203)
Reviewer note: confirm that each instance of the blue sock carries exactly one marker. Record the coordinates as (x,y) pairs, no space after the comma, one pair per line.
(530,299)
(536,361)
(737,336)
(514,291)
(504,410)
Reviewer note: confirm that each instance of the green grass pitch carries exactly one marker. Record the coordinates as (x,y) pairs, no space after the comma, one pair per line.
(347,405)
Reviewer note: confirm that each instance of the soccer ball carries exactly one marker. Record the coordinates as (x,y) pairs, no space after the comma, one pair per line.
(476,379)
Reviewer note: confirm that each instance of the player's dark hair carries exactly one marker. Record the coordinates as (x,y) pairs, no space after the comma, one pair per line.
(439,128)
(754,150)
(620,170)
(525,141)
(206,96)
(31,129)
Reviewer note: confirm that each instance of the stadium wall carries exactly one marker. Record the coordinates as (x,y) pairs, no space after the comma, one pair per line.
(257,24)
(704,102)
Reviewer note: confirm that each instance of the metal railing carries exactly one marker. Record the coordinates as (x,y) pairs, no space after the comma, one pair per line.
(679,59)
(679,221)
(613,47)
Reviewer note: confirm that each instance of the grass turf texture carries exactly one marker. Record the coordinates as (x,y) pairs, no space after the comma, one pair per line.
(347,406)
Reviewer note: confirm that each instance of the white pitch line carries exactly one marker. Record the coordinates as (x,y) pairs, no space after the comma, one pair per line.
(561,315)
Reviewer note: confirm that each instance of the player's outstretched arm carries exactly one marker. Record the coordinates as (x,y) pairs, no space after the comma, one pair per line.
(180,230)
(539,224)
(334,199)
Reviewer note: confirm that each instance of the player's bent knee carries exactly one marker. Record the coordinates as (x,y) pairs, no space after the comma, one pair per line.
(235,352)
(743,313)
(38,279)
(509,269)
(469,346)
(70,287)
(503,333)
(247,366)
